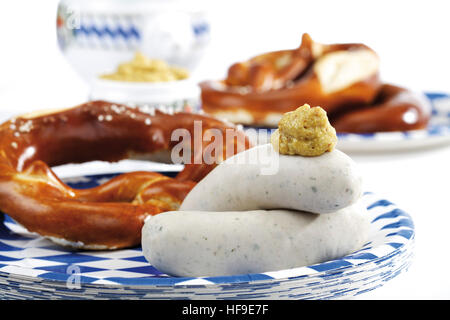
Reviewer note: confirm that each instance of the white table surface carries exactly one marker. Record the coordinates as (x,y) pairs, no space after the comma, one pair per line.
(417,181)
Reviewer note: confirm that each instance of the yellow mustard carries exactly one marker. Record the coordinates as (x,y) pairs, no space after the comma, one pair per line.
(305,131)
(143,69)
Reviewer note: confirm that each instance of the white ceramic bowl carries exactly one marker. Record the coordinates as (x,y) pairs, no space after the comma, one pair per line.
(181,95)
(95,36)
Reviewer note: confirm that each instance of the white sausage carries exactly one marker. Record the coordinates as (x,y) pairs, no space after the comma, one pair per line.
(322,184)
(195,243)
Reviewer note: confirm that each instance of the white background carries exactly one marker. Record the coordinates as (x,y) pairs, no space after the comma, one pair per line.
(411,37)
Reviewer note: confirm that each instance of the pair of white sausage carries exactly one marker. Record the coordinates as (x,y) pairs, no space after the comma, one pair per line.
(238,220)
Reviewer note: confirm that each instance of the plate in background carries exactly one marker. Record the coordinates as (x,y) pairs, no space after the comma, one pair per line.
(35,268)
(437,132)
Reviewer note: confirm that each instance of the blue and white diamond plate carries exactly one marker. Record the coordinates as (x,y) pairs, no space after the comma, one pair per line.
(437,132)
(32,267)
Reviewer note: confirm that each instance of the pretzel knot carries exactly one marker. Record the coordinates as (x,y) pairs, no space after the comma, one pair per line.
(111,215)
(343,79)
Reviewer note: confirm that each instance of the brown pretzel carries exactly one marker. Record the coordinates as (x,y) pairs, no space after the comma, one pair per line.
(394,109)
(111,215)
(263,88)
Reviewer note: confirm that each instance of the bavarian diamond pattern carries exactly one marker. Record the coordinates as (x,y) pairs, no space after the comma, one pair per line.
(437,132)
(34,267)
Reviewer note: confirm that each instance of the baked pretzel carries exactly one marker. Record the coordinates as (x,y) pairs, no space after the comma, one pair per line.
(111,215)
(394,109)
(260,90)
